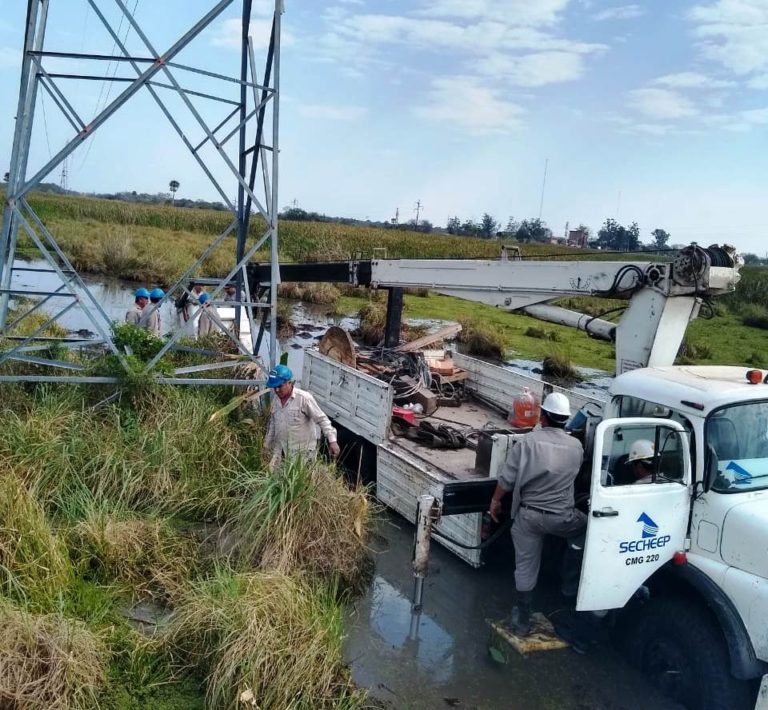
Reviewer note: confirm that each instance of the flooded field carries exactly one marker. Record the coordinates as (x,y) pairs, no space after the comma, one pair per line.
(439,658)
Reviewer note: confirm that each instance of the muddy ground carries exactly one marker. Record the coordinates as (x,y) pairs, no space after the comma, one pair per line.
(440,659)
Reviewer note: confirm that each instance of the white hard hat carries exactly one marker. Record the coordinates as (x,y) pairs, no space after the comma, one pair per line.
(642,449)
(557,403)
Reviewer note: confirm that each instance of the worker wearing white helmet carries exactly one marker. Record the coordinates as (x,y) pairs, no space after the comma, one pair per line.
(641,456)
(540,471)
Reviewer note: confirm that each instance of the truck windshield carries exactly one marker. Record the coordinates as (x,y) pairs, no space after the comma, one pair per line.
(738,435)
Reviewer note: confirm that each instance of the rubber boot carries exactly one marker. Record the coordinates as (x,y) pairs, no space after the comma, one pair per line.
(520,622)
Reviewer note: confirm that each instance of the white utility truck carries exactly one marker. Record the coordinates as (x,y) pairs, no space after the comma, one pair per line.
(685,559)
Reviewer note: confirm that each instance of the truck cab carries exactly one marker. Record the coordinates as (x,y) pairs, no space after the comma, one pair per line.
(695,539)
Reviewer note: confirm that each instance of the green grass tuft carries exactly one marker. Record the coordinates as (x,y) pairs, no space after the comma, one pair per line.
(34,565)
(481,339)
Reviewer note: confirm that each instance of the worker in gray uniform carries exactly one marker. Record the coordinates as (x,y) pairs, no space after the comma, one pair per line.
(540,470)
(134,313)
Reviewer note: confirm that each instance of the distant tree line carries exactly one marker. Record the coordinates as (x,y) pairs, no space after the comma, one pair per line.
(296,214)
(529,230)
(611,236)
(754,259)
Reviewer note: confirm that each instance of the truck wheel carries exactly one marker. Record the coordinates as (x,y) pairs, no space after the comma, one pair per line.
(683,651)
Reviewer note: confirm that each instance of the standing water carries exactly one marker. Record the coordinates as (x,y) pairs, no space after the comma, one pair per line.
(439,658)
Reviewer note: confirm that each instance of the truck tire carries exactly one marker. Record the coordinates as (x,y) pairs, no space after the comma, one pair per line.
(678,645)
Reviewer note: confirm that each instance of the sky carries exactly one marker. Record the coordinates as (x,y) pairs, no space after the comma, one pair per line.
(653,112)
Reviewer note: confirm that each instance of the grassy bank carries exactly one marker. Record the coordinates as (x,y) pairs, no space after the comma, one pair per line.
(154,244)
(146,501)
(724,339)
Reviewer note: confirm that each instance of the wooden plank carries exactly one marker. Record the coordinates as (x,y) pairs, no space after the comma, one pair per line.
(442,334)
(457,376)
(541,638)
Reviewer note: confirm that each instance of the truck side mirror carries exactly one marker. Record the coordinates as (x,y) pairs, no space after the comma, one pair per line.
(710,467)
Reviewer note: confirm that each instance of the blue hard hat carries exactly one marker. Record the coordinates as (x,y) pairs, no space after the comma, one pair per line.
(279,375)
(141,293)
(203,298)
(157,293)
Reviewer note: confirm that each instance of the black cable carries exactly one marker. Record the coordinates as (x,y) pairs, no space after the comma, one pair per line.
(504,527)
(617,279)
(600,315)
(706,303)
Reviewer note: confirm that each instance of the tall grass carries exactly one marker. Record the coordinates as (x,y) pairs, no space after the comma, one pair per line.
(102,506)
(752,289)
(162,456)
(321,293)
(266,637)
(303,518)
(159,241)
(48,661)
(34,564)
(373,317)
(144,555)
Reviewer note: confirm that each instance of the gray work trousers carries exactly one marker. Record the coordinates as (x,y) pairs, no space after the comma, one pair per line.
(528,533)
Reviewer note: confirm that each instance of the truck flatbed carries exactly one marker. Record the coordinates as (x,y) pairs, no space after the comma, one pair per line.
(456,464)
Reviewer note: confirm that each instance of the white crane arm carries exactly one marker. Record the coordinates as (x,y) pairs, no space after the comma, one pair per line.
(663,296)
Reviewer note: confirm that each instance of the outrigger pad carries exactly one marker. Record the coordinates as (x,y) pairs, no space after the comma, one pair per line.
(542,638)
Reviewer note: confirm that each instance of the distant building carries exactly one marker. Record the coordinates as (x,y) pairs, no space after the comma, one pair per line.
(578,238)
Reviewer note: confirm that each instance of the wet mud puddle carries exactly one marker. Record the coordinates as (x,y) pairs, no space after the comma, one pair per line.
(440,659)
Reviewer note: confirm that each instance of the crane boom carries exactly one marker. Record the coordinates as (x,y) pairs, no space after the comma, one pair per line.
(663,296)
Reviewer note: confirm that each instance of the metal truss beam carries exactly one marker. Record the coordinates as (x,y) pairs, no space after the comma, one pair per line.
(254,97)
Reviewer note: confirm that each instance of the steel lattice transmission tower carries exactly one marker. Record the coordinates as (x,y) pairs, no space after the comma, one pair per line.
(252,126)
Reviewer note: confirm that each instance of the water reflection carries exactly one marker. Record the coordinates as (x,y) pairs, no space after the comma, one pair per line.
(416,635)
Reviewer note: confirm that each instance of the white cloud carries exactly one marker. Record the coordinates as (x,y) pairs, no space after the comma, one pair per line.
(514,12)
(759,82)
(651,129)
(691,80)
(755,117)
(329,112)
(472,106)
(662,104)
(733,33)
(10,58)
(482,37)
(227,34)
(534,69)
(621,12)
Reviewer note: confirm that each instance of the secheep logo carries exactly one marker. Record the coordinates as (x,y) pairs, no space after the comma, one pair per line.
(649,537)
(650,529)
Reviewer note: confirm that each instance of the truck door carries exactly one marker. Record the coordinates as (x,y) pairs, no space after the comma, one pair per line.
(633,527)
